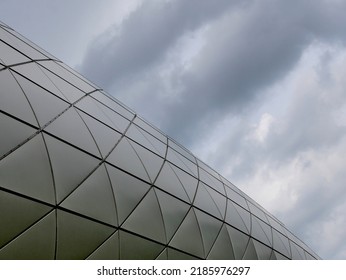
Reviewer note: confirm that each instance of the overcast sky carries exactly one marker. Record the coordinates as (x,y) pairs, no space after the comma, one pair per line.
(255,88)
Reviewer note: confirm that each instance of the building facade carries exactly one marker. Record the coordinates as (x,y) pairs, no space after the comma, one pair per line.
(83,177)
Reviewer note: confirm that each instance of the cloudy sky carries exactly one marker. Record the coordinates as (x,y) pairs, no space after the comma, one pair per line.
(255,88)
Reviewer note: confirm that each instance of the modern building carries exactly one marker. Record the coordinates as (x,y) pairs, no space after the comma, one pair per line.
(83,177)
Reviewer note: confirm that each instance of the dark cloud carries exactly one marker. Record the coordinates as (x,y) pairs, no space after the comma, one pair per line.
(248,47)
(144,37)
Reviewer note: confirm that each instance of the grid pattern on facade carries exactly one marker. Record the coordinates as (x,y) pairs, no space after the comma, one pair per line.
(83,177)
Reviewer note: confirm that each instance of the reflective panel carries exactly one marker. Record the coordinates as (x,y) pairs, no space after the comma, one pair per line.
(276,224)
(297,252)
(78,237)
(118,121)
(13,100)
(210,229)
(92,107)
(188,237)
(208,169)
(189,183)
(280,243)
(145,139)
(71,128)
(163,255)
(168,181)
(136,248)
(114,105)
(308,256)
(81,81)
(34,72)
(36,243)
(19,174)
(125,157)
(173,212)
(258,212)
(250,253)
(211,181)
(20,45)
(13,133)
(128,191)
(278,256)
(11,56)
(152,162)
(261,231)
(222,248)
(18,214)
(182,162)
(142,124)
(70,92)
(70,166)
(56,68)
(94,198)
(105,137)
(239,242)
(181,150)
(205,202)
(28,42)
(46,105)
(235,219)
(147,219)
(263,252)
(109,250)
(237,198)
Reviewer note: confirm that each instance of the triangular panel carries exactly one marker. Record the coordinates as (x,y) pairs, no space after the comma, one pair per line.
(147,219)
(280,243)
(45,105)
(71,128)
(222,248)
(71,93)
(173,211)
(18,214)
(168,181)
(263,252)
(94,198)
(210,228)
(152,163)
(163,256)
(182,162)
(27,171)
(205,202)
(189,182)
(188,237)
(10,56)
(239,242)
(70,166)
(105,137)
(109,250)
(233,218)
(78,237)
(133,247)
(37,242)
(250,253)
(13,133)
(261,231)
(13,99)
(35,73)
(128,191)
(124,157)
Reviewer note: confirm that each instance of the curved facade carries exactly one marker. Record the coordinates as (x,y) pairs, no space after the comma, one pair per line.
(83,177)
